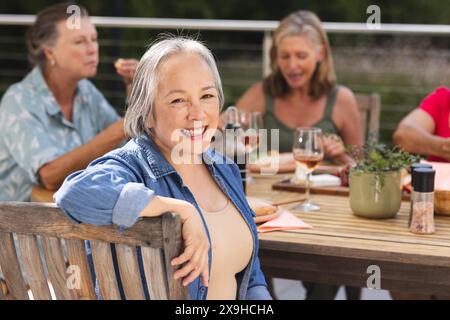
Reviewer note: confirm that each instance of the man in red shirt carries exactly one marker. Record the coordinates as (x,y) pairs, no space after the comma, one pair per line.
(426,130)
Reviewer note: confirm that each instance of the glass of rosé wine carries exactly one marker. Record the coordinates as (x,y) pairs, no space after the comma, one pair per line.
(307,149)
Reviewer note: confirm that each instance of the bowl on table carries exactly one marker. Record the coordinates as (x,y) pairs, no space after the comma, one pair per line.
(442,202)
(264,209)
(274,162)
(441,187)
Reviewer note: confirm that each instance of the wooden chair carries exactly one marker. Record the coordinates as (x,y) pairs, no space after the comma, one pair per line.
(159,239)
(369,107)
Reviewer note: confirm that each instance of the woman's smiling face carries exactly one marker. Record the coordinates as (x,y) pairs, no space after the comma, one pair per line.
(186,105)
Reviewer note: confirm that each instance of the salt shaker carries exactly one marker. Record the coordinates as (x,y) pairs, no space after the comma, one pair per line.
(414,166)
(422,220)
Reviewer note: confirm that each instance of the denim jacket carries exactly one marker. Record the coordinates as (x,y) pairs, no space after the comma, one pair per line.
(115,188)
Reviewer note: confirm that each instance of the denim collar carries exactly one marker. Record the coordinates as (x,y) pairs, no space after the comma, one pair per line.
(158,163)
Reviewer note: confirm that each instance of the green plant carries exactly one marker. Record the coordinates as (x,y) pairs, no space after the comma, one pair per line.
(377,157)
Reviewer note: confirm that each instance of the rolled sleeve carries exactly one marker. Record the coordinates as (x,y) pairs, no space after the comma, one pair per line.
(108,192)
(133,198)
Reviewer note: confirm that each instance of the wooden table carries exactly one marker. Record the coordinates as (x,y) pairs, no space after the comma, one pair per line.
(39,194)
(341,247)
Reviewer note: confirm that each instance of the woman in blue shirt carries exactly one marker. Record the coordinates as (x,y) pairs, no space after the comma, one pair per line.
(55,121)
(169,165)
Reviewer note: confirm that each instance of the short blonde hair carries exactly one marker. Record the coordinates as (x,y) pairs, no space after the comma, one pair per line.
(297,24)
(145,83)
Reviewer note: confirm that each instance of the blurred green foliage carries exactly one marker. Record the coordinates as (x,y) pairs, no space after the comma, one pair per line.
(409,11)
(239,53)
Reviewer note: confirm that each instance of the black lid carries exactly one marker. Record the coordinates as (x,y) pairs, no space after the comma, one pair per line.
(416,166)
(419,165)
(423,179)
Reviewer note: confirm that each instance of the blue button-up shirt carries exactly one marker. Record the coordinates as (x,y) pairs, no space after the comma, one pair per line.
(34,131)
(115,188)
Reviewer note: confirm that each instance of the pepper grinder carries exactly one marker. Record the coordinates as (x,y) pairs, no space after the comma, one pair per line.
(422,220)
(413,167)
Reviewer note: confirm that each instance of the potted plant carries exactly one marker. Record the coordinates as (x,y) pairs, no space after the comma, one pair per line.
(375,180)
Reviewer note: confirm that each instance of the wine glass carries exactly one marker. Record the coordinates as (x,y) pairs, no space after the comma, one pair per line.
(308,152)
(251,124)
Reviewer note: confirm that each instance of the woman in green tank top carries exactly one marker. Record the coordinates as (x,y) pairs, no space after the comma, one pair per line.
(286,134)
(301,89)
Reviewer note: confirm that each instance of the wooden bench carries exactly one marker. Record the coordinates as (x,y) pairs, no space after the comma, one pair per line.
(65,259)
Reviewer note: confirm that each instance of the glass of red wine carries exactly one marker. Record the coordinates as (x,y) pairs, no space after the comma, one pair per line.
(308,152)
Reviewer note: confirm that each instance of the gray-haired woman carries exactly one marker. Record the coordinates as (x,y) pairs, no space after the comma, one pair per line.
(54,121)
(169,165)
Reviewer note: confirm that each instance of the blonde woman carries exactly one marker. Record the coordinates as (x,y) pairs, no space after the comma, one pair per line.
(301,89)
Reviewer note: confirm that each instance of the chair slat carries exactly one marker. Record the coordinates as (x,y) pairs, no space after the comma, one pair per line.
(69,273)
(10,267)
(56,267)
(129,272)
(76,253)
(173,247)
(33,267)
(374,121)
(104,270)
(369,110)
(155,273)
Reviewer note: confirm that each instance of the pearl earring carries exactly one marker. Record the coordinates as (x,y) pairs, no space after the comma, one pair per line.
(52,62)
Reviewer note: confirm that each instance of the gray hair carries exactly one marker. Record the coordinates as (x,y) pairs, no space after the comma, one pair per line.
(145,83)
(44,32)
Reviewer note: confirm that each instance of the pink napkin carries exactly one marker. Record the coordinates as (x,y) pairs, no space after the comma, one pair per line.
(285,221)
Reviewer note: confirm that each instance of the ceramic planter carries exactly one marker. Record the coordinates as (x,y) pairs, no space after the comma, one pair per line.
(374,195)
